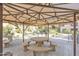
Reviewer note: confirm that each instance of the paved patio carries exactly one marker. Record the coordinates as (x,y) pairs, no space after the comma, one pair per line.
(64,48)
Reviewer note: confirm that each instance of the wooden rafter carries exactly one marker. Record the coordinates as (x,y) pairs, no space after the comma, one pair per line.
(44,19)
(16,22)
(61,3)
(22,7)
(56,12)
(30,18)
(19,13)
(40,24)
(61,23)
(51,4)
(40,13)
(12,15)
(61,19)
(62,8)
(58,16)
(20,10)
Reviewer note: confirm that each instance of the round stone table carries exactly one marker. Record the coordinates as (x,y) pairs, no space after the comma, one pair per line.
(39,40)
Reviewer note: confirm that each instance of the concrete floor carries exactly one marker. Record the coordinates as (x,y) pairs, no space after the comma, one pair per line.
(64,48)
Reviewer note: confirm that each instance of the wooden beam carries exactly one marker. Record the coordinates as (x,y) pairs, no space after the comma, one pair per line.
(62,19)
(41,24)
(19,10)
(1,28)
(52,4)
(40,13)
(56,12)
(5,20)
(61,3)
(61,22)
(44,19)
(11,14)
(30,17)
(15,14)
(58,16)
(62,8)
(22,7)
(18,13)
(31,7)
(13,8)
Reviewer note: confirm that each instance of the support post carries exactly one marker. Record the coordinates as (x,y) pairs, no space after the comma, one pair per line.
(23,32)
(74,35)
(1,28)
(48,31)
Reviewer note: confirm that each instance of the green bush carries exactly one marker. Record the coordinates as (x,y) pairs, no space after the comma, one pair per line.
(53,31)
(7,31)
(66,31)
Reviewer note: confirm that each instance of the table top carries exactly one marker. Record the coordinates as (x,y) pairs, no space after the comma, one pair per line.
(39,49)
(40,38)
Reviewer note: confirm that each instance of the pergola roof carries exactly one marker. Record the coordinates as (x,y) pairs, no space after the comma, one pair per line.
(41,13)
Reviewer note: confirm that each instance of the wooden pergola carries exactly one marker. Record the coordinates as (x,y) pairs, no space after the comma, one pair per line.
(39,14)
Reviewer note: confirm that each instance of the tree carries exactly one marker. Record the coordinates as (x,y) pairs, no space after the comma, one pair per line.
(66,31)
(7,32)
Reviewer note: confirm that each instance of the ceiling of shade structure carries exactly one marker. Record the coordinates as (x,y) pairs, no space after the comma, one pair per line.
(40,13)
